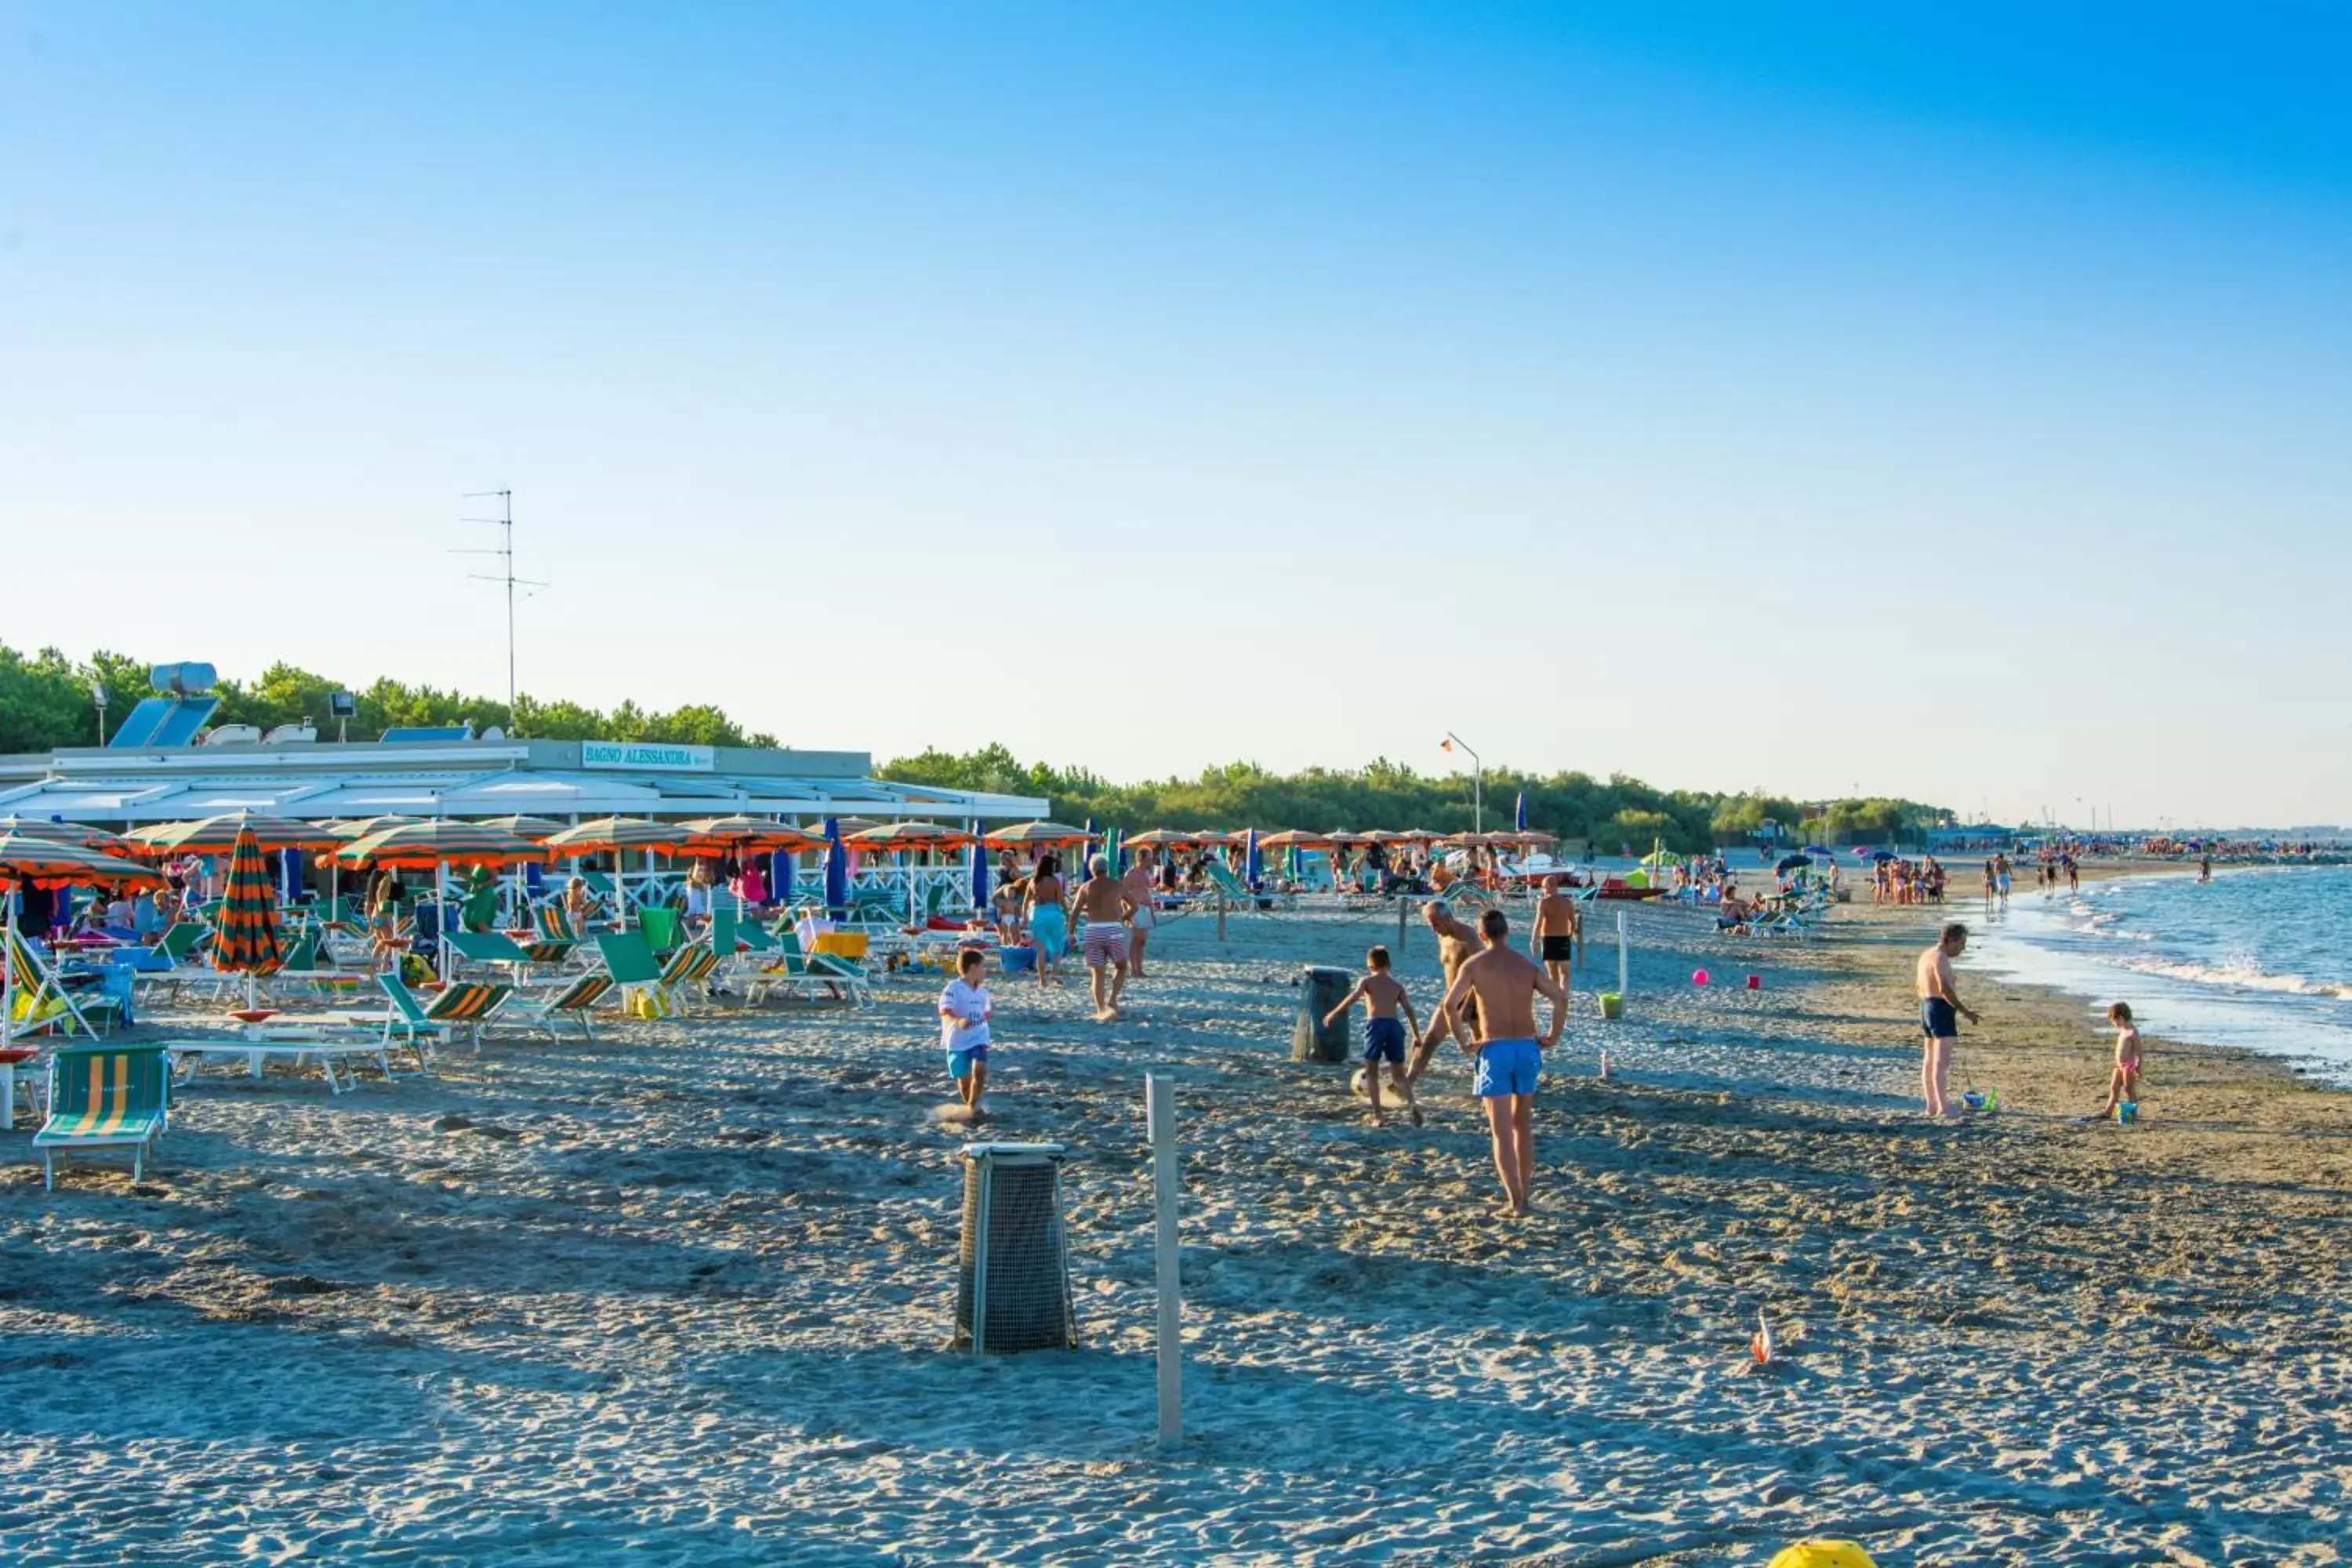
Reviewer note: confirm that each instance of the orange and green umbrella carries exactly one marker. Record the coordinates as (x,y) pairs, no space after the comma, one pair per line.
(31,860)
(219,834)
(531,827)
(1294,838)
(899,836)
(1043,835)
(712,836)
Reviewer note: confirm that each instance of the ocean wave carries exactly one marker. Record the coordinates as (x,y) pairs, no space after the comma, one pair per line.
(2236,976)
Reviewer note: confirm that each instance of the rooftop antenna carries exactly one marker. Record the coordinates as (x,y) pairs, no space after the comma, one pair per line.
(506,574)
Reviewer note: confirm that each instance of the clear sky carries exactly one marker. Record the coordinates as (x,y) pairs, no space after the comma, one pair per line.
(1946,401)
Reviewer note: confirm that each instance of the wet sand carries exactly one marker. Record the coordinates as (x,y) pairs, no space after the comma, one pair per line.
(681,1294)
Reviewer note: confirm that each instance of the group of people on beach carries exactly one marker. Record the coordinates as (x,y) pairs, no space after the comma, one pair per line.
(1488,1008)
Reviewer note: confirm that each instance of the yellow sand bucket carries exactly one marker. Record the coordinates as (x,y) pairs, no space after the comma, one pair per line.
(1824,1554)
(1613,1005)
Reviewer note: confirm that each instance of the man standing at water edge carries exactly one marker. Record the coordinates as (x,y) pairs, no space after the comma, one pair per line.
(1103,906)
(1507,1056)
(1941,1009)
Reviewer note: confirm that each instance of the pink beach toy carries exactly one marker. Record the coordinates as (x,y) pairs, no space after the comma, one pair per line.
(1756,982)
(1699,976)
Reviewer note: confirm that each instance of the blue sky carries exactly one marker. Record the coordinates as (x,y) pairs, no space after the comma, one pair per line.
(1951,406)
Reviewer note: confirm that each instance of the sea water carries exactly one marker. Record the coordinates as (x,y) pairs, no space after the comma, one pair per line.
(2259,957)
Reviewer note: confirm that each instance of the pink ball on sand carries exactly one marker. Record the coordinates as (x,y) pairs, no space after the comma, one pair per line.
(1699,976)
(1756,982)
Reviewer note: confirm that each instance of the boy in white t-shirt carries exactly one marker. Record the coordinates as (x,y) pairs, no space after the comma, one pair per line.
(964,1007)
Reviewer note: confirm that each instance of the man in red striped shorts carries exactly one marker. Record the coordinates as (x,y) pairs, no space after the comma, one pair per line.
(1103,908)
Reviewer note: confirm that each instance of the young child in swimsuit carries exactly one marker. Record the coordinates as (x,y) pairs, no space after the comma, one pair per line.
(2123,1083)
(1384,1034)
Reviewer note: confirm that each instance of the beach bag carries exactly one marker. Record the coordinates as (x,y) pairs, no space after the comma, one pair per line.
(651,1003)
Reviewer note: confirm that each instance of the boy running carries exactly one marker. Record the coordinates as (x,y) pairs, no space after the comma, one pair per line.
(1384,1037)
(964,1007)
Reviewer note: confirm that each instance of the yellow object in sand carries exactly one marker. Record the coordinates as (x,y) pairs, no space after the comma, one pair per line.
(1824,1554)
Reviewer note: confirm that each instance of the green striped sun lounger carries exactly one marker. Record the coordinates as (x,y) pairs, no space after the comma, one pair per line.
(104,1097)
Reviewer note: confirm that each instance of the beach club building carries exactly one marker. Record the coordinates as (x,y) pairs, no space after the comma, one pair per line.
(445,773)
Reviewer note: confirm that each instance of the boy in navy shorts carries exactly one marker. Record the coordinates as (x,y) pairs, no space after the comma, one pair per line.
(1385,1036)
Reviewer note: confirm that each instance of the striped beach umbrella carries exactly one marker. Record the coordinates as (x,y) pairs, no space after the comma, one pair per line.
(245,931)
(32,860)
(710,837)
(903,835)
(1164,838)
(439,841)
(618,836)
(351,830)
(531,827)
(76,833)
(1043,835)
(1294,838)
(219,834)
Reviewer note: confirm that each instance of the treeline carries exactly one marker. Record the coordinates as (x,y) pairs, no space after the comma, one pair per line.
(46,701)
(1608,812)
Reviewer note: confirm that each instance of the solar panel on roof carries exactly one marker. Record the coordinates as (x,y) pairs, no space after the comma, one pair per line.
(163,722)
(188,715)
(140,722)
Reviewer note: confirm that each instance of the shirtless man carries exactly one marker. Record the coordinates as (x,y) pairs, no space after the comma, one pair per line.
(1140,879)
(1456,943)
(1508,1055)
(1940,1011)
(1103,907)
(1559,923)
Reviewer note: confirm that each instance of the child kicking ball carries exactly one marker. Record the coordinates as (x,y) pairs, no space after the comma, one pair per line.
(1384,1037)
(964,1007)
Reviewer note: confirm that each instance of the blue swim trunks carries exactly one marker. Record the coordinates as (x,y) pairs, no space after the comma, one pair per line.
(1384,1037)
(1937,1019)
(959,1062)
(1506,1067)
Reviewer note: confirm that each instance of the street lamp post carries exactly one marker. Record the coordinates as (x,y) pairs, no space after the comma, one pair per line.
(1477,782)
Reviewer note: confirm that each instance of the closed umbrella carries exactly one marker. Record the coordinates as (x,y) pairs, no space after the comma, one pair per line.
(245,931)
(32,860)
(1253,868)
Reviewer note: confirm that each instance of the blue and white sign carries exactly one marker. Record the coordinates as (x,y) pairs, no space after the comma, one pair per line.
(647,756)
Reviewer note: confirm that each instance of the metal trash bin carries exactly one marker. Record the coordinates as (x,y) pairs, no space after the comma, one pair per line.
(1012,1276)
(1311,1039)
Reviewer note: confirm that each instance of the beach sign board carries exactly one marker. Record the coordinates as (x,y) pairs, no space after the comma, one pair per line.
(649,756)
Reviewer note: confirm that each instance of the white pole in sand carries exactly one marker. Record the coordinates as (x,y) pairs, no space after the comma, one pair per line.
(1622,986)
(1160,1119)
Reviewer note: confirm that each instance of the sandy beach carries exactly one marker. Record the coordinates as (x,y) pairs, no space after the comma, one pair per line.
(682,1295)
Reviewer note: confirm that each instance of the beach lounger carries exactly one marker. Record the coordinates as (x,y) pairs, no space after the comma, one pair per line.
(493,948)
(687,971)
(629,963)
(44,1001)
(845,977)
(104,1097)
(576,1001)
(660,925)
(467,1006)
(555,924)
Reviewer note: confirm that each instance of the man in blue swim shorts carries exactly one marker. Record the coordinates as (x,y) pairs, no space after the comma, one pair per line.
(1507,1054)
(1940,1009)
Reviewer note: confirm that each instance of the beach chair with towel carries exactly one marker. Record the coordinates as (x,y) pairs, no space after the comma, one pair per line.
(44,1001)
(629,964)
(104,1097)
